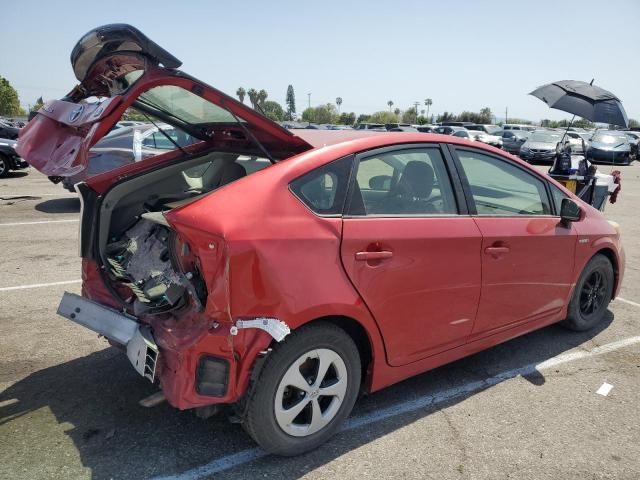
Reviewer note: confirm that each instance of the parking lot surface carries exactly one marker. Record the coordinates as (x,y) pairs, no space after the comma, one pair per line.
(527,409)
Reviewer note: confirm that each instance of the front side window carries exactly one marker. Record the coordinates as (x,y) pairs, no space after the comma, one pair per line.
(501,188)
(403,182)
(558,195)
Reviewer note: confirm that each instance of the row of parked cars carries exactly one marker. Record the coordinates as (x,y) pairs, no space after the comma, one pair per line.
(538,144)
(9,159)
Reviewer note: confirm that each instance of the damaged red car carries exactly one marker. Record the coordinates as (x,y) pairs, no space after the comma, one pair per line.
(285,273)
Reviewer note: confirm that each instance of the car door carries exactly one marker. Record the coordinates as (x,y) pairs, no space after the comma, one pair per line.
(412,251)
(527,253)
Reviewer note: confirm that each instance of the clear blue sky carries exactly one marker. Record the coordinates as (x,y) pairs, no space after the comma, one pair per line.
(463,55)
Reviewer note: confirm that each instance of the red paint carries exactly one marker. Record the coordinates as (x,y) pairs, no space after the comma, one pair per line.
(426,291)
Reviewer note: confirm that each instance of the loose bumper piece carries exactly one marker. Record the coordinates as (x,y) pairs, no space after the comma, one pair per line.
(142,350)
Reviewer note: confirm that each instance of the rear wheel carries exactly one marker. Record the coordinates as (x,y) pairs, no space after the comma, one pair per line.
(4,165)
(307,387)
(591,296)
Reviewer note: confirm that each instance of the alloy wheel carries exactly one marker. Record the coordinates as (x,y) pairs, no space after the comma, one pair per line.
(311,392)
(593,293)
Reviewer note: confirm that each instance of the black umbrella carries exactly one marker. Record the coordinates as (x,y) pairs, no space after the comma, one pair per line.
(584,100)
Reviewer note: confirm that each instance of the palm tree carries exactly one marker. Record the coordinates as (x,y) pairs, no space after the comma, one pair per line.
(253,97)
(241,92)
(338,103)
(397,111)
(390,103)
(262,96)
(428,102)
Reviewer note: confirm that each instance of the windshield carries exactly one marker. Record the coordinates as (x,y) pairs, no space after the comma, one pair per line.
(184,105)
(492,129)
(609,138)
(544,137)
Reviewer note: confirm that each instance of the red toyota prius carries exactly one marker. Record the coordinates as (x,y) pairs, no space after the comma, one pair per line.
(285,273)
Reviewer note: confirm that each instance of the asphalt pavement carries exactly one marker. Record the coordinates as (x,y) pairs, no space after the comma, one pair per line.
(527,409)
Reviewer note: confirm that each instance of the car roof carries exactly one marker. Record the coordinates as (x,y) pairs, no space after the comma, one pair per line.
(359,140)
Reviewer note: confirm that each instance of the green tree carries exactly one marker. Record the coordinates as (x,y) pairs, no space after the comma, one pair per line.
(252,93)
(445,117)
(486,115)
(383,117)
(362,118)
(347,118)
(38,105)
(397,111)
(262,97)
(9,100)
(320,114)
(273,110)
(633,123)
(241,93)
(410,115)
(428,102)
(390,103)
(291,102)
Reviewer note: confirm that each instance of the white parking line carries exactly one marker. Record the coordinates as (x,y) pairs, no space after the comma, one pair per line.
(37,222)
(38,285)
(245,456)
(624,300)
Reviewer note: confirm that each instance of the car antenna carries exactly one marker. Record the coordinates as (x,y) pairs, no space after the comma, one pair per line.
(165,134)
(253,137)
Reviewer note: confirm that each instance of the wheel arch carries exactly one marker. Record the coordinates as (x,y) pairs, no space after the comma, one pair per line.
(360,337)
(610,254)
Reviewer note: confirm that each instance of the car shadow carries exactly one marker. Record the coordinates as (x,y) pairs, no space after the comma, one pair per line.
(116,438)
(15,174)
(59,205)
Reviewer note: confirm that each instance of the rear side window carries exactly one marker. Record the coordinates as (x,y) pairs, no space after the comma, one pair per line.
(323,190)
(501,188)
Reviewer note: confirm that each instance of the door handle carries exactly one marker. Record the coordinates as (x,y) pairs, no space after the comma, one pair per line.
(496,251)
(374,255)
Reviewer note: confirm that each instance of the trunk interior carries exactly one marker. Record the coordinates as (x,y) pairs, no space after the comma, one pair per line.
(149,267)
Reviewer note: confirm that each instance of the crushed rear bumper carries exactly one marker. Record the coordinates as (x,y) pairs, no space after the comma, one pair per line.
(142,350)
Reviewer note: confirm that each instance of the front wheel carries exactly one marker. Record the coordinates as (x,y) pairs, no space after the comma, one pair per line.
(307,387)
(591,296)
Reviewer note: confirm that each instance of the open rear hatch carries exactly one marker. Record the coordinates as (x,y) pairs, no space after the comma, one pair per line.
(119,67)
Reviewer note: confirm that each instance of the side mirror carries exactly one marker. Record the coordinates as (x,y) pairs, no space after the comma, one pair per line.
(570,211)
(380,182)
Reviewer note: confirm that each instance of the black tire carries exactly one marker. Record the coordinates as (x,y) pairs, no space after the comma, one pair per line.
(591,296)
(4,165)
(260,419)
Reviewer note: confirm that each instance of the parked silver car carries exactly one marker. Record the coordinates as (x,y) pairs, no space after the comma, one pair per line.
(540,146)
(512,140)
(609,146)
(480,136)
(579,141)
